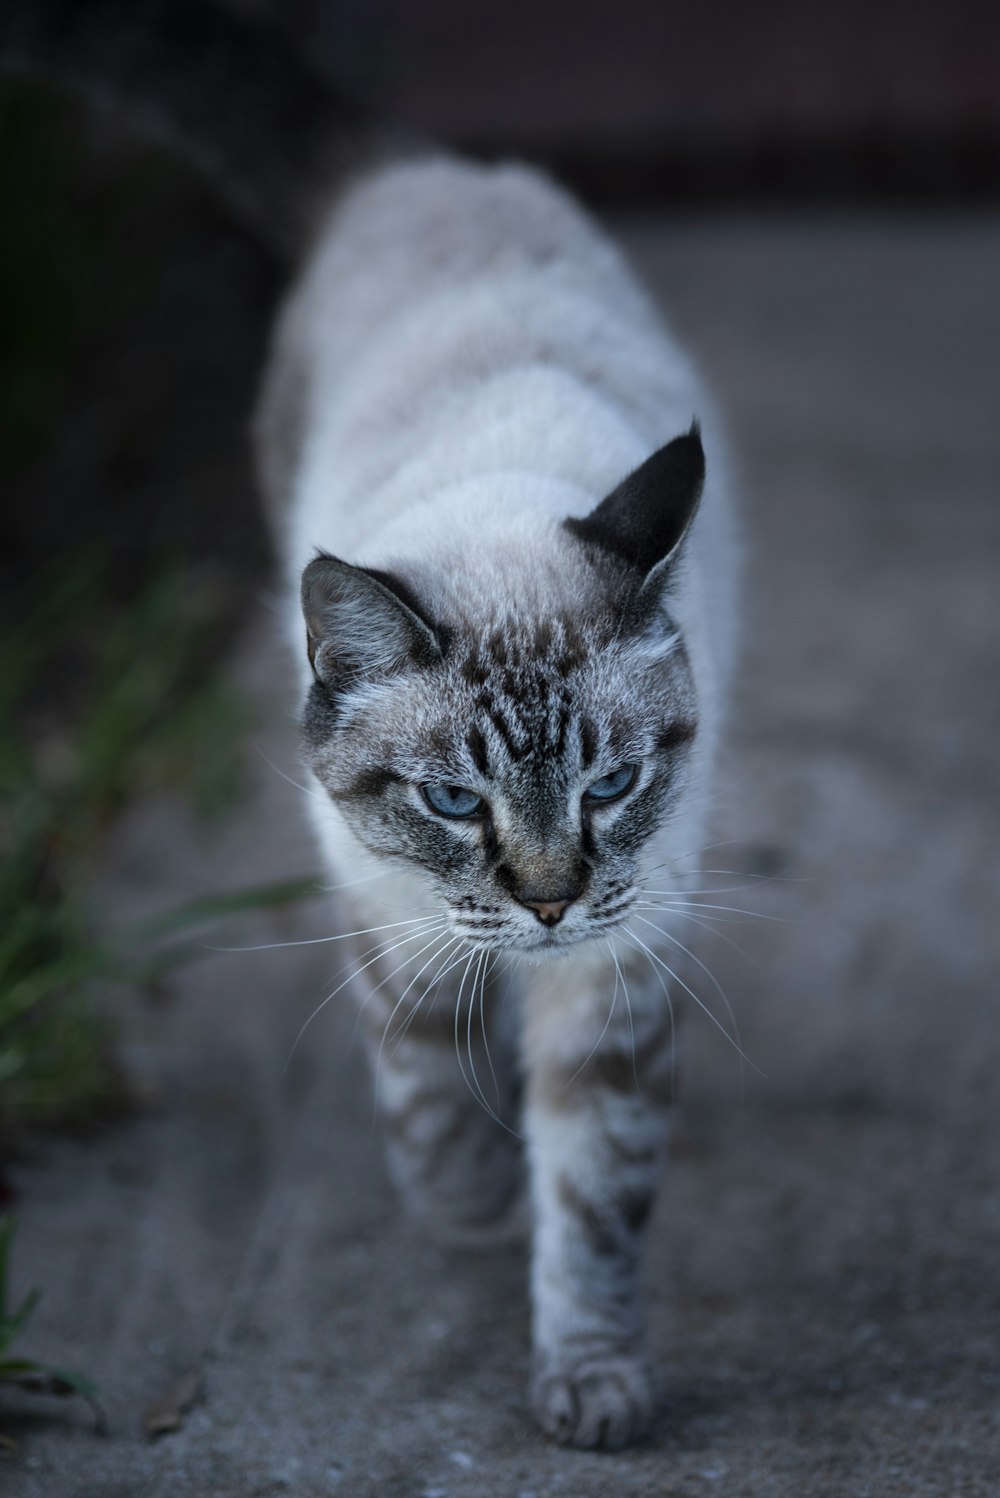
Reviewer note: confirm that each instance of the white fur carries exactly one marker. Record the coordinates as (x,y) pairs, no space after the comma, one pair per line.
(478,363)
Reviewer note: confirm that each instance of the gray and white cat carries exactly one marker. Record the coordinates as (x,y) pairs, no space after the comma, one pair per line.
(517,624)
(484,458)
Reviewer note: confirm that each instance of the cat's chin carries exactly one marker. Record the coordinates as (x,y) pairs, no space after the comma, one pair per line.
(548,945)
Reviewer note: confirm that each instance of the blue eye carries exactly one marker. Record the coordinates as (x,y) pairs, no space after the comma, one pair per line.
(612,787)
(452,800)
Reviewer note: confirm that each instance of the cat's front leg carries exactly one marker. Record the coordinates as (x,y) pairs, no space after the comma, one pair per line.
(596,1121)
(446,1092)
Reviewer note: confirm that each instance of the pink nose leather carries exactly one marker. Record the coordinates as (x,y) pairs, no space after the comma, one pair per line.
(549,912)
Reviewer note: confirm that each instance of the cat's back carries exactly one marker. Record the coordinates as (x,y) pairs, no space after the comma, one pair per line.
(414,232)
(455,319)
(466,348)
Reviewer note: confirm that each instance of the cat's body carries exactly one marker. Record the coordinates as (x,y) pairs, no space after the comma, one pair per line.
(465,365)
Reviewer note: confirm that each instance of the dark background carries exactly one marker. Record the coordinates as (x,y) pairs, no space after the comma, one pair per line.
(136,306)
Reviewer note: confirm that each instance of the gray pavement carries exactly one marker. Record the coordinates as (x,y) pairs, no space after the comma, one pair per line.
(824,1269)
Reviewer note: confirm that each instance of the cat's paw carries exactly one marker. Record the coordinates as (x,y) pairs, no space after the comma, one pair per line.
(601,1402)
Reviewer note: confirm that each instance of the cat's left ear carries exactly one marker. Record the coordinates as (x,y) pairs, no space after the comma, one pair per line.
(362,623)
(644,521)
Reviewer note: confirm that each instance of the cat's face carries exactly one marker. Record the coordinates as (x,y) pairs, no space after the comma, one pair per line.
(522,772)
(521,752)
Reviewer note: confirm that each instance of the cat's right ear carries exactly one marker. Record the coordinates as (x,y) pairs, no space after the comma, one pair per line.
(644,521)
(362,624)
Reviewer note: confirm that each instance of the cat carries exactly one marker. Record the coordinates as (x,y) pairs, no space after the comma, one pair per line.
(512,607)
(510,575)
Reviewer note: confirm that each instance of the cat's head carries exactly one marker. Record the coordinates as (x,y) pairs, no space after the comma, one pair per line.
(520,749)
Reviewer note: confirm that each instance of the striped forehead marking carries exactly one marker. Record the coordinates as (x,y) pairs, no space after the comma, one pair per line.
(537,727)
(521,676)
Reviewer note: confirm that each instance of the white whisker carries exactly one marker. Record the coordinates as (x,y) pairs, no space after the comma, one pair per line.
(386,949)
(466,951)
(330,889)
(439,952)
(475,1090)
(440,943)
(458,1010)
(354,973)
(722,889)
(442,972)
(305,789)
(633,936)
(628,1010)
(318,941)
(715,983)
(482,1098)
(482,1020)
(670,1015)
(680,903)
(596,1046)
(712,928)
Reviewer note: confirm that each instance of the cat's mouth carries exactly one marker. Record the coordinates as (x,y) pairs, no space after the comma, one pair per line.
(546,941)
(550,941)
(559,928)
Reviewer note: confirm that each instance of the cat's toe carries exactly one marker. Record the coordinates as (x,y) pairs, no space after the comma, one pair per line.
(602,1403)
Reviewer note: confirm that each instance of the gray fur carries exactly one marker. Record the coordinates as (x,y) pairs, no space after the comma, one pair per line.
(503,712)
(510,590)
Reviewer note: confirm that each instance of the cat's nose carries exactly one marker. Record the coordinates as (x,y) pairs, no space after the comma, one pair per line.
(549,912)
(547,891)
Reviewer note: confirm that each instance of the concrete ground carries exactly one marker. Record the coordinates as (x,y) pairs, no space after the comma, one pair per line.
(824,1267)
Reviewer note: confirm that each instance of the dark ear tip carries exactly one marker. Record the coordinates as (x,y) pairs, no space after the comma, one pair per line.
(690,453)
(316,571)
(691,440)
(319,563)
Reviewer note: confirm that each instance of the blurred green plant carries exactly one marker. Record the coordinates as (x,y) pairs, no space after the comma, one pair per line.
(100,701)
(26,1373)
(108,681)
